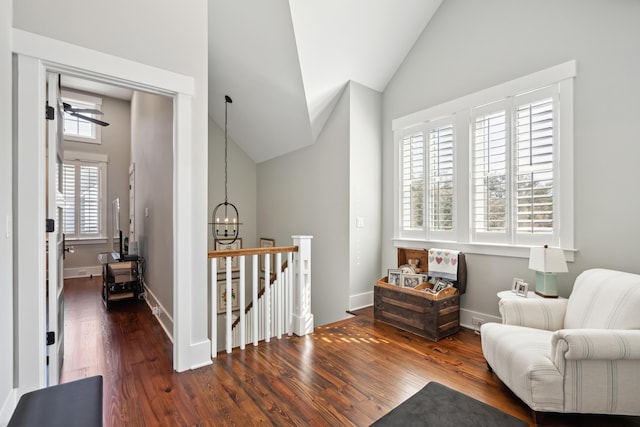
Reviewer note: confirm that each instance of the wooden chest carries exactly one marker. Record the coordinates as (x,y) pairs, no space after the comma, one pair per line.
(415,311)
(428,315)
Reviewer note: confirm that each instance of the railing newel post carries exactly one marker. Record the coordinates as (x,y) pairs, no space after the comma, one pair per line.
(302,317)
(214,308)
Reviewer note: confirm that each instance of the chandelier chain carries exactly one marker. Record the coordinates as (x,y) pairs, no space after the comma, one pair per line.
(226,104)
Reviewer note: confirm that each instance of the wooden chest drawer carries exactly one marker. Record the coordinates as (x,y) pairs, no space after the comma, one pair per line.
(416,311)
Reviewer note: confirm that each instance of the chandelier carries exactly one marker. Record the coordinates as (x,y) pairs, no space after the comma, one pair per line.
(224,220)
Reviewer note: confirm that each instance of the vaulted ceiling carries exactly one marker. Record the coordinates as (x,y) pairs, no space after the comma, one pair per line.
(286,63)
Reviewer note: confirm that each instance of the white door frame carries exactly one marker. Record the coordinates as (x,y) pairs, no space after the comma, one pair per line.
(36,55)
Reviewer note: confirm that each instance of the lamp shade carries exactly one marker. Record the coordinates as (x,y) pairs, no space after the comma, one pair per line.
(547,260)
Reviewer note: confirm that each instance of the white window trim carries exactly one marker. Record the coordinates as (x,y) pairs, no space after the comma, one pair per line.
(561,75)
(96,102)
(103,160)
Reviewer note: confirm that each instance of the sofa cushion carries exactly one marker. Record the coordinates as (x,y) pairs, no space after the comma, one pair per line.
(520,357)
(604,299)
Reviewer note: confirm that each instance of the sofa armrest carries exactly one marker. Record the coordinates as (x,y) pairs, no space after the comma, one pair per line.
(596,344)
(545,314)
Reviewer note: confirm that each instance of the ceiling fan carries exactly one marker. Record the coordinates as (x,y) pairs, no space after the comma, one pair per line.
(77,112)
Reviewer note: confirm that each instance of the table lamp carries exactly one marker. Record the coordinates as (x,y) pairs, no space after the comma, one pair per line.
(546,262)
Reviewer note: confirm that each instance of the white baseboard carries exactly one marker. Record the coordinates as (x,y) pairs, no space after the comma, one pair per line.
(359,301)
(200,354)
(163,317)
(8,406)
(466,317)
(72,273)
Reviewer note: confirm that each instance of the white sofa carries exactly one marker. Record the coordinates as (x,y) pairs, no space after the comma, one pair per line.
(576,355)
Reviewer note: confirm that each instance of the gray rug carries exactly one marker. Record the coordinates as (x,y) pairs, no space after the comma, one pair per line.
(439,406)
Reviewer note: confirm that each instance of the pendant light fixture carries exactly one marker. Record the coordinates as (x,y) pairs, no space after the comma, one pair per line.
(225,220)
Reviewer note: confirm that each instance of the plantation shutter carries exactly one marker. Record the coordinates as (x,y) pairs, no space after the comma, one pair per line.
(441,178)
(89,200)
(84,205)
(490,182)
(69,209)
(412,177)
(493,169)
(534,167)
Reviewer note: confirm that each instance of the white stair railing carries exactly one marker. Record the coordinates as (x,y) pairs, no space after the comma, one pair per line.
(284,306)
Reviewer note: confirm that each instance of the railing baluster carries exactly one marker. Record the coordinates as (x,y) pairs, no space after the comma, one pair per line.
(267,295)
(256,285)
(229,297)
(242,304)
(279,293)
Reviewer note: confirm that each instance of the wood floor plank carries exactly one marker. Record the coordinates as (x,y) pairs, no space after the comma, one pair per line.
(349,373)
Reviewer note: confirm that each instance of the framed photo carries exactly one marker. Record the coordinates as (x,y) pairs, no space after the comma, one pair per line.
(222,295)
(515,283)
(267,243)
(235,264)
(440,285)
(523,287)
(410,280)
(393,276)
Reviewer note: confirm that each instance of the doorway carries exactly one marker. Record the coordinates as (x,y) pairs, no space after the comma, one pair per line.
(140,130)
(29,206)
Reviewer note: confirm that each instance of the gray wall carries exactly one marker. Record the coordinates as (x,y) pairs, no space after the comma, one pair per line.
(152,156)
(307,192)
(116,143)
(469,46)
(365,192)
(6,250)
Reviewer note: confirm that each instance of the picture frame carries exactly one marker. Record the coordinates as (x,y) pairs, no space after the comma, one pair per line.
(267,243)
(393,276)
(523,288)
(222,295)
(440,285)
(515,283)
(410,280)
(235,263)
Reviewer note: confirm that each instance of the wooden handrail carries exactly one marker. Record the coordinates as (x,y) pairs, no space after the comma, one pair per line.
(251,251)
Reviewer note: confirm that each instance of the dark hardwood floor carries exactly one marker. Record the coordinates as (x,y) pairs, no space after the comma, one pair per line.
(347,373)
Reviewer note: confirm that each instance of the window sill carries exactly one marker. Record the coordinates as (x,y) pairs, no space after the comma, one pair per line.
(97,241)
(512,251)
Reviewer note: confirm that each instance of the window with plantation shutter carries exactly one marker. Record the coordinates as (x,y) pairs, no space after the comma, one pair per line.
(491,172)
(84,208)
(441,178)
(427,174)
(513,169)
(490,183)
(534,170)
(413,182)
(89,207)
(69,209)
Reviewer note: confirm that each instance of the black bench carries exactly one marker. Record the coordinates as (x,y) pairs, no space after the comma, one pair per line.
(77,403)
